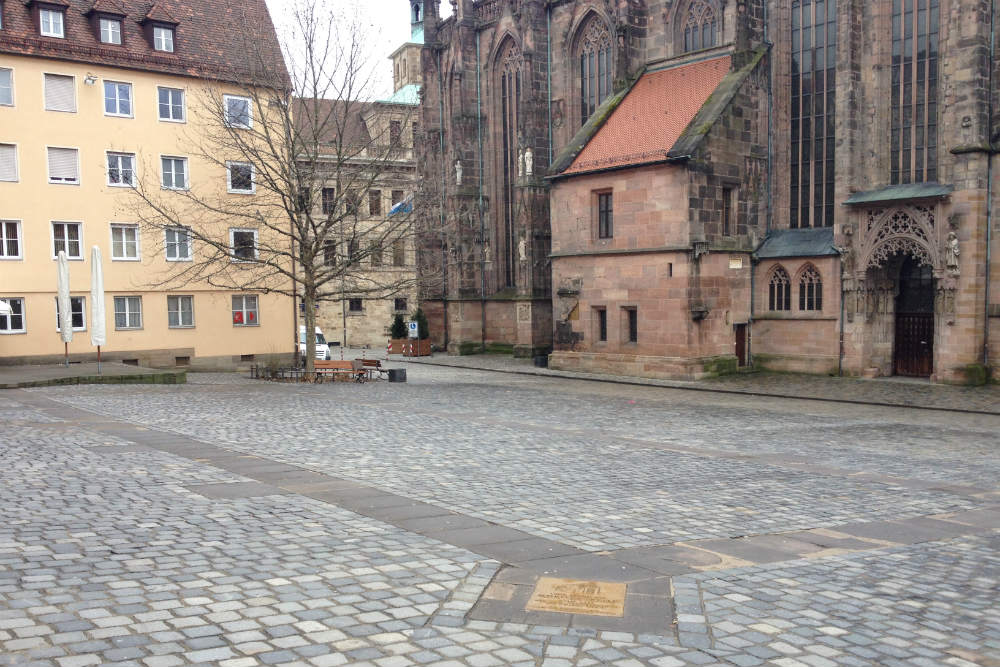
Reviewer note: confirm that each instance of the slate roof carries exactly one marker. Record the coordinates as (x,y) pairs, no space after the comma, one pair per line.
(651,116)
(331,117)
(211,38)
(900,192)
(809,242)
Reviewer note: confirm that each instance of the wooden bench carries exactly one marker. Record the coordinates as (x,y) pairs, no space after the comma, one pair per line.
(373,366)
(351,370)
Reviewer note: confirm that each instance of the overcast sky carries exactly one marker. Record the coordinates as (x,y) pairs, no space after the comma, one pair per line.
(387,20)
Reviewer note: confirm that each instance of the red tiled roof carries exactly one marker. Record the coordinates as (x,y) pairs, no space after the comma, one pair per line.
(107,7)
(159,13)
(652,116)
(211,39)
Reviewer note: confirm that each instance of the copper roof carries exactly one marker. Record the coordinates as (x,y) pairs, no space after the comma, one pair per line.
(214,39)
(647,123)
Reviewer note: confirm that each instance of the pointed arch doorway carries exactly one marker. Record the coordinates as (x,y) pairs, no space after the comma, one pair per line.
(913,344)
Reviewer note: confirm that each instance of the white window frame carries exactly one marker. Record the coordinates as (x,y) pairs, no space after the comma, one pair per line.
(244,310)
(107,159)
(42,12)
(232,244)
(11,70)
(102,22)
(45,93)
(229,178)
(24,317)
(183,118)
(118,100)
(4,239)
(138,242)
(180,324)
(83,312)
(158,36)
(49,166)
(167,243)
(17,163)
(52,234)
(129,325)
(187,172)
(225,107)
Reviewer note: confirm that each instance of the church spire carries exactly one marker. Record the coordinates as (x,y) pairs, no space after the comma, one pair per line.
(417,21)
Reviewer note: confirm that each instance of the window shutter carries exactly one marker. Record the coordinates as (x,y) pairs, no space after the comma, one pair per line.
(62,164)
(8,162)
(60,93)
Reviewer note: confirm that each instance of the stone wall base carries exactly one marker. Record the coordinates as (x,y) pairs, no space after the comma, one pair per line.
(658,368)
(819,364)
(183,358)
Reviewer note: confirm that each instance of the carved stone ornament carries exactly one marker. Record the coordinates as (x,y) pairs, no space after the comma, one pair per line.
(907,231)
(886,233)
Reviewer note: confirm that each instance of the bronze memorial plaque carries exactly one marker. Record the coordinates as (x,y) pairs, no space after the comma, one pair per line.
(571,596)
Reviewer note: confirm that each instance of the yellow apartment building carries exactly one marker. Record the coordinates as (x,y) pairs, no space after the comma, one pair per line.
(94,98)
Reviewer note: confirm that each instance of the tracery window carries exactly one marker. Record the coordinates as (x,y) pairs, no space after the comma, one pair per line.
(701,30)
(780,290)
(810,290)
(813,112)
(595,66)
(914,91)
(509,72)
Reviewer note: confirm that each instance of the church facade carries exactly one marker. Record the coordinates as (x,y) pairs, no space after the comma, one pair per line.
(678,188)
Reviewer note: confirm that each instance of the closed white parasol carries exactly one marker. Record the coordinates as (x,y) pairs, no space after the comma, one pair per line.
(65,307)
(98,321)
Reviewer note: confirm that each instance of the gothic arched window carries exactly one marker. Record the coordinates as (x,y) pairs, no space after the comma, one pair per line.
(810,289)
(594,47)
(780,290)
(508,70)
(701,27)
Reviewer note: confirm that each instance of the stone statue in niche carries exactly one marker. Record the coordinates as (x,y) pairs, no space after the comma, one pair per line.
(529,162)
(520,164)
(458,172)
(951,253)
(522,250)
(558,113)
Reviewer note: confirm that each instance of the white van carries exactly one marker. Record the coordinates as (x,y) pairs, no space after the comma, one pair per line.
(322,349)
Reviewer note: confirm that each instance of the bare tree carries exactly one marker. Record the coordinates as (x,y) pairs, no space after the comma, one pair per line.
(300,149)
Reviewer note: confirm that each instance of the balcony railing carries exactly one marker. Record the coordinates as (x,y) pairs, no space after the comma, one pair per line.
(488,11)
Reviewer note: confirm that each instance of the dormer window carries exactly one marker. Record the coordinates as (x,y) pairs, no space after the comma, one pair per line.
(111,31)
(51,23)
(163,38)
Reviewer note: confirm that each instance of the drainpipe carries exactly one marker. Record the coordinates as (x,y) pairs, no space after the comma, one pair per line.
(444,185)
(295,298)
(753,293)
(482,220)
(840,354)
(989,185)
(770,124)
(548,71)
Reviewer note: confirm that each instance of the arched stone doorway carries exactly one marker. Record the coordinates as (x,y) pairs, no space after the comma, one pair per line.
(899,287)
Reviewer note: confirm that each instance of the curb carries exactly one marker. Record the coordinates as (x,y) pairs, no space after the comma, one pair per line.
(136,378)
(666,384)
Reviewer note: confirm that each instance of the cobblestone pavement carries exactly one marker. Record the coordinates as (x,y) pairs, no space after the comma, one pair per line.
(164,527)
